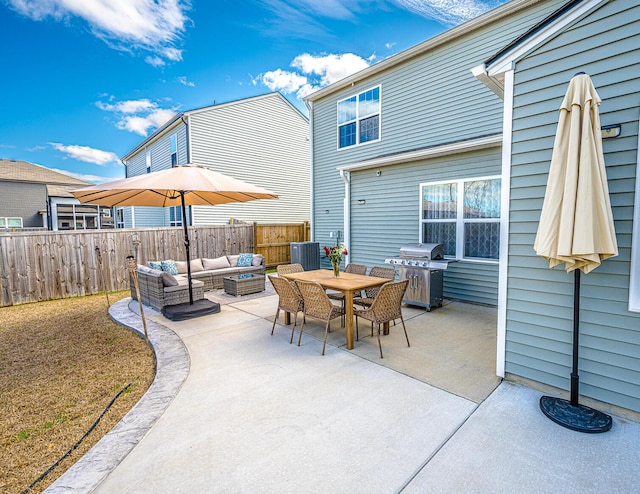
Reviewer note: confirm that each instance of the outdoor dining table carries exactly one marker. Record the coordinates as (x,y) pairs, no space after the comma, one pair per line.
(347,283)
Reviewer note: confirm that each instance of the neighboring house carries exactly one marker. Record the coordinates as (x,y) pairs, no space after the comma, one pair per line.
(32,196)
(263,140)
(421,148)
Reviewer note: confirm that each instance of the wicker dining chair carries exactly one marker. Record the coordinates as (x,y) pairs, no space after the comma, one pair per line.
(317,304)
(339,296)
(385,308)
(370,293)
(289,300)
(289,269)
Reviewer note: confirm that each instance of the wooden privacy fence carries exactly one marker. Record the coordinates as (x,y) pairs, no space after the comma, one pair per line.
(46,265)
(273,240)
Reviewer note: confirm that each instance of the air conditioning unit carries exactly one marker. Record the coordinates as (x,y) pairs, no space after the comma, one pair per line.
(307,254)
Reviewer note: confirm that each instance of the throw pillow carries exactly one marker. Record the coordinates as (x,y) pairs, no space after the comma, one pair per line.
(169,266)
(233,261)
(155,265)
(257,260)
(244,260)
(168,279)
(217,263)
(196,265)
(182,267)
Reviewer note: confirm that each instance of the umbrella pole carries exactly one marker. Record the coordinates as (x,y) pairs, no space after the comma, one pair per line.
(571,414)
(186,245)
(575,378)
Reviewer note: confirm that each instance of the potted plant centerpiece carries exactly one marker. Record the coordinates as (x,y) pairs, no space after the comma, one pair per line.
(335,256)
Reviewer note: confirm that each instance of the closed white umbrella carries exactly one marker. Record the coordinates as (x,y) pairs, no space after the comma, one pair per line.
(576,224)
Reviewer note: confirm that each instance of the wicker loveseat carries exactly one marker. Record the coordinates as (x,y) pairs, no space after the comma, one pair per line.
(160,288)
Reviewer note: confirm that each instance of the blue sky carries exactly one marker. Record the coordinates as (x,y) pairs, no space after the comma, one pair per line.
(84,81)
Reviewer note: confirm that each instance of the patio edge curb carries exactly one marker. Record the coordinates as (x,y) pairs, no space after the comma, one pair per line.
(172,368)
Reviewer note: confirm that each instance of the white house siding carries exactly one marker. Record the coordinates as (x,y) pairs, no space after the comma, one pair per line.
(389,220)
(540,301)
(263,141)
(429,100)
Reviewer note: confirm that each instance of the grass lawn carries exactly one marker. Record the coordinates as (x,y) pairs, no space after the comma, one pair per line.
(61,363)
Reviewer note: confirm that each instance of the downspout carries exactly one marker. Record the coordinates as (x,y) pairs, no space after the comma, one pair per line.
(188,139)
(507,130)
(311,189)
(346,178)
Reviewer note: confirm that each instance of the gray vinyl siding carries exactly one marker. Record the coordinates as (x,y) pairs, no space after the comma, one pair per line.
(430,100)
(390,217)
(539,314)
(23,200)
(263,141)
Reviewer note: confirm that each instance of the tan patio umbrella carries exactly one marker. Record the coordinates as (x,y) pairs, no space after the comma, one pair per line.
(185,185)
(576,224)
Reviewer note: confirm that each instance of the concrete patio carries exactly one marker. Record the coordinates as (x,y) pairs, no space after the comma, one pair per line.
(234,409)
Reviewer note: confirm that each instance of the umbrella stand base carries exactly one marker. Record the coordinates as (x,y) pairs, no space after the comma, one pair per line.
(182,312)
(579,418)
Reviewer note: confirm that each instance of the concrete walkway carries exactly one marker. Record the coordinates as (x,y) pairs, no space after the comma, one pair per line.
(234,409)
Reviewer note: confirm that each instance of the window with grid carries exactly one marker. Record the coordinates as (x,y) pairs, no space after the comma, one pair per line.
(175,216)
(464,216)
(359,118)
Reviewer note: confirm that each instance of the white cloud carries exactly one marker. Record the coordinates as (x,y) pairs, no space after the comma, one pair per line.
(138,116)
(153,26)
(142,124)
(86,154)
(129,106)
(313,73)
(95,179)
(330,68)
(282,80)
(183,80)
(449,12)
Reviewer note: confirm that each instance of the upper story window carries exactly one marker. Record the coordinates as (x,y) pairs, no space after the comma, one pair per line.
(359,118)
(148,161)
(174,150)
(464,216)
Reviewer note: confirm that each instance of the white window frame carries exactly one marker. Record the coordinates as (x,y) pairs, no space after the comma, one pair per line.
(358,119)
(177,217)
(4,222)
(119,219)
(174,150)
(147,158)
(460,220)
(634,276)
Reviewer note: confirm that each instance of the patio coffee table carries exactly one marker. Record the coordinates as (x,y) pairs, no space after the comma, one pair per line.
(243,284)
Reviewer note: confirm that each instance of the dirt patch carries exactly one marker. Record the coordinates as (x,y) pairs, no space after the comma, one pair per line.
(61,363)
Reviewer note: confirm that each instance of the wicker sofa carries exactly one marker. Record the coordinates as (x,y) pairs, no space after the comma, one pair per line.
(161,288)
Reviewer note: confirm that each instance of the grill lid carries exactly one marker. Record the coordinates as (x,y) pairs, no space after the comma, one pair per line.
(425,251)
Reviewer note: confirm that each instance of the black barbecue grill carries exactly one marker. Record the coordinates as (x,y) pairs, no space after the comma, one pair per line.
(423,266)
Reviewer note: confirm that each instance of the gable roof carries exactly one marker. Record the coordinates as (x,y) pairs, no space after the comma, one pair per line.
(448,36)
(23,171)
(179,116)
